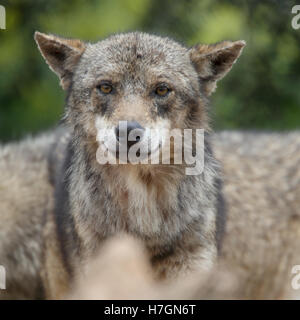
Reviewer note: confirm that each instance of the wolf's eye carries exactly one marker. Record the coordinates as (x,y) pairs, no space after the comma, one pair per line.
(105,88)
(162,90)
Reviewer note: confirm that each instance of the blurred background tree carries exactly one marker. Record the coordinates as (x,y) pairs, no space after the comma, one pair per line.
(261,92)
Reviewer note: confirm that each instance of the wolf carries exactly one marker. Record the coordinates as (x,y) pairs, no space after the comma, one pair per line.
(59,205)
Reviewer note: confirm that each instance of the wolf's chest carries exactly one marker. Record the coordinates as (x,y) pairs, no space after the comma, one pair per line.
(147,211)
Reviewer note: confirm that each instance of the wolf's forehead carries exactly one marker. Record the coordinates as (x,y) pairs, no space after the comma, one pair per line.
(136,53)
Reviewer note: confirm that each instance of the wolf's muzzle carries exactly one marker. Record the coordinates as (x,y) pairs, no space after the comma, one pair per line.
(129,132)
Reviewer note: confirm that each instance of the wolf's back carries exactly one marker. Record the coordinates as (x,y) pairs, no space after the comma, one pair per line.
(262,191)
(25,198)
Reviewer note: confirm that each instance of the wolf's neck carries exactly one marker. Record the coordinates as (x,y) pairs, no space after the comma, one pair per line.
(153,203)
(128,187)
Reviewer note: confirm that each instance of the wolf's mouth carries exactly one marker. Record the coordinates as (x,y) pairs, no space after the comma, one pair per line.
(124,156)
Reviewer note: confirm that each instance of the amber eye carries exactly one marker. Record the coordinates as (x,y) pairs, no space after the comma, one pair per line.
(105,88)
(162,90)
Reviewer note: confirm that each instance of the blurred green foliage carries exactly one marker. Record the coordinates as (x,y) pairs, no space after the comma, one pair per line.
(262,90)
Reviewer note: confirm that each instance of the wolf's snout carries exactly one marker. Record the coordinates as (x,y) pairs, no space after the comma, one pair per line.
(129,132)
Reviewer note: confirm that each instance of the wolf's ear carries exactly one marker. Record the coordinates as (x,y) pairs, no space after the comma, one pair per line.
(212,62)
(61,55)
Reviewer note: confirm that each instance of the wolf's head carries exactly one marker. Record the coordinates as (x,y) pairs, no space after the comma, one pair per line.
(146,81)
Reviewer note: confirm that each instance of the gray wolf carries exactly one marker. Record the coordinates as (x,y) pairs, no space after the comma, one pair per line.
(59,205)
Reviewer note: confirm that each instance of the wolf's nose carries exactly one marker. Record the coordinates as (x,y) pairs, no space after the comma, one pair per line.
(129,132)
